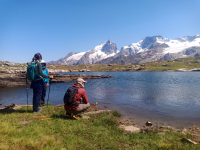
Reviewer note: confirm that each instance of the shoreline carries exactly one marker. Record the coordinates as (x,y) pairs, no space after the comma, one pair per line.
(13,80)
(137,119)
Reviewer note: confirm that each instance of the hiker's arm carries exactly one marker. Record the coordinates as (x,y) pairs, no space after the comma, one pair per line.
(84,97)
(47,73)
(50,76)
(41,72)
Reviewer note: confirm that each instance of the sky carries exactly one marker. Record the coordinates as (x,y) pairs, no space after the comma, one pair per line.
(56,27)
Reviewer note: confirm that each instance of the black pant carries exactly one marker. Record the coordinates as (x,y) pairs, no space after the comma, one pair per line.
(42,98)
(37,91)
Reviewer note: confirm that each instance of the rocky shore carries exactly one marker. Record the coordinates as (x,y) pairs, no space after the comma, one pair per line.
(13,80)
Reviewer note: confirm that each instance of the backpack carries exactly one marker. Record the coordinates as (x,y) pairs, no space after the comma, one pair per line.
(30,74)
(69,96)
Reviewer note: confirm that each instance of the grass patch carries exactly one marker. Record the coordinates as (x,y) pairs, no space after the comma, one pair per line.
(99,132)
(116,113)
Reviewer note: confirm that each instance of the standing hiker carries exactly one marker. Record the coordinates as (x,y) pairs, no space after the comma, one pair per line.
(45,83)
(73,97)
(37,80)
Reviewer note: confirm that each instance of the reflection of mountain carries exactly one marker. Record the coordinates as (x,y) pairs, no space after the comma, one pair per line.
(149,49)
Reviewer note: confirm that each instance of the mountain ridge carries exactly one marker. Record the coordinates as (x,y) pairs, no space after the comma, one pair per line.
(151,48)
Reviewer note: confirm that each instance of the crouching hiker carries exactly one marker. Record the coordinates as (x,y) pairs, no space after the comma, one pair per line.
(73,98)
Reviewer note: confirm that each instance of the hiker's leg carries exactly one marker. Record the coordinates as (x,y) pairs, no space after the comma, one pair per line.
(42,98)
(37,91)
(83,107)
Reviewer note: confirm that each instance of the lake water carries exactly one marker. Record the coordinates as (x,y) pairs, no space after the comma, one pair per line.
(164,98)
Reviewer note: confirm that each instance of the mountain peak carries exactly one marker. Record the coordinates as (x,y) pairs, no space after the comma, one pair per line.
(108,42)
(69,54)
(109,47)
(188,38)
(148,42)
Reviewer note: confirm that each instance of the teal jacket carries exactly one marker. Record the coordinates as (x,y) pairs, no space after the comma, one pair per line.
(46,72)
(38,72)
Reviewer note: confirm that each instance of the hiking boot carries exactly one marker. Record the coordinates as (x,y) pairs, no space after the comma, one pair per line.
(68,115)
(40,105)
(40,110)
(75,117)
(71,116)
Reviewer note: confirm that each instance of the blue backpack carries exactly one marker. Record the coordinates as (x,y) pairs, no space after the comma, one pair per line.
(30,74)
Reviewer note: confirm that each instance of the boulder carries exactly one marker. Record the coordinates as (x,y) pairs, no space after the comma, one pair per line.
(148,123)
(188,140)
(83,70)
(130,129)
(183,69)
(196,69)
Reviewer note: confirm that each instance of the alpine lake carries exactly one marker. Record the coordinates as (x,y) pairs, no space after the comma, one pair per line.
(166,98)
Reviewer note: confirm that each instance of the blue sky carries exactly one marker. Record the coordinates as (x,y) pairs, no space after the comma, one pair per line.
(56,27)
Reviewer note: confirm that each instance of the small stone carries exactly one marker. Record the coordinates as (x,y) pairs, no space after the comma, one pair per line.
(184,131)
(148,123)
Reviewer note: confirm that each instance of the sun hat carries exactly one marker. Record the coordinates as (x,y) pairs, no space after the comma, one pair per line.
(42,62)
(80,81)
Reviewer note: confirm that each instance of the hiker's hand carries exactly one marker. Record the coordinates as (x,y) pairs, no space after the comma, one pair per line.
(51,76)
(47,84)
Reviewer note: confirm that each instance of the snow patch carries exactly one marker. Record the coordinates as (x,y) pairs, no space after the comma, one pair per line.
(76,56)
(175,46)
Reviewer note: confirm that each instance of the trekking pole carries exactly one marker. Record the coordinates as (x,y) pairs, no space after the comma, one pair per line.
(27,98)
(48,93)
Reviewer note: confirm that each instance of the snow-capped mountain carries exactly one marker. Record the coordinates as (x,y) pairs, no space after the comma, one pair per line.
(173,46)
(103,51)
(146,50)
(156,48)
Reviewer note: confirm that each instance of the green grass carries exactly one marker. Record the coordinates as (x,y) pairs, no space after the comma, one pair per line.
(116,113)
(98,132)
